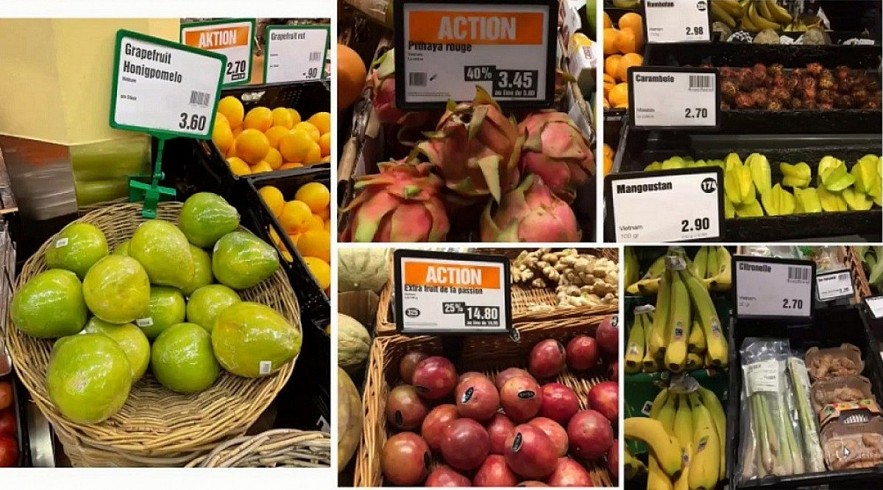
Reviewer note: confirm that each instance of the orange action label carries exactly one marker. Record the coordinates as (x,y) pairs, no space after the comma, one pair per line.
(450,275)
(218,38)
(469,27)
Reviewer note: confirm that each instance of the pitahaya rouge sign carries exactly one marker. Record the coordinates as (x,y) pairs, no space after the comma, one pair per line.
(445,48)
(451,293)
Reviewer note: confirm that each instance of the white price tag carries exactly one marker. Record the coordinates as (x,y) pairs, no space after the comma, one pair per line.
(296,53)
(875,304)
(770,288)
(673,98)
(687,203)
(234,38)
(164,88)
(834,285)
(439,292)
(676,21)
(762,376)
(444,50)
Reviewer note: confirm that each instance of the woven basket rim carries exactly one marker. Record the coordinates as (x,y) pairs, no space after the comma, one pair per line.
(286,445)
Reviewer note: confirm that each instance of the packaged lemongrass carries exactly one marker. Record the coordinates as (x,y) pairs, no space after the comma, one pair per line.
(809,423)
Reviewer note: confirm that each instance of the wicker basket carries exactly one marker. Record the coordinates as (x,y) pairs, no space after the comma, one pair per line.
(859,278)
(523,296)
(487,353)
(155,427)
(279,448)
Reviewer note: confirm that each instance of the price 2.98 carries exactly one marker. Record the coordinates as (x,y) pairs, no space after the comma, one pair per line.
(192,122)
(695,31)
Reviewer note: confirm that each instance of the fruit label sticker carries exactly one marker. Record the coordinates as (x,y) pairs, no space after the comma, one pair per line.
(234,38)
(688,204)
(61,242)
(676,21)
(296,53)
(164,88)
(875,305)
(442,292)
(834,285)
(444,49)
(763,376)
(768,288)
(673,98)
(264,367)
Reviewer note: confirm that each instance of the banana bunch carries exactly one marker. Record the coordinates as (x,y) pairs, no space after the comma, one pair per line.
(714,270)
(751,15)
(688,427)
(713,265)
(683,331)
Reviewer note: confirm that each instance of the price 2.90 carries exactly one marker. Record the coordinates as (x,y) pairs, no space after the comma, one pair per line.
(192,122)
(698,224)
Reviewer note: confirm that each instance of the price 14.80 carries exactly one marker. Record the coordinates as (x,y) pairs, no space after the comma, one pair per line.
(482,316)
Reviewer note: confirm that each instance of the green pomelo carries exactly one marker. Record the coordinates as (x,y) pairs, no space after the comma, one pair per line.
(117,289)
(122,249)
(166,308)
(76,248)
(50,305)
(182,359)
(130,338)
(164,252)
(207,302)
(206,217)
(253,340)
(241,260)
(88,377)
(202,275)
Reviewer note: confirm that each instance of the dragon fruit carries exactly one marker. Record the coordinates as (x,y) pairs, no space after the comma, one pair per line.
(382,82)
(530,213)
(476,148)
(556,150)
(399,204)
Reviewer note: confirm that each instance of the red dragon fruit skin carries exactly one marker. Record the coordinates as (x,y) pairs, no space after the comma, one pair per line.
(399,204)
(556,150)
(530,213)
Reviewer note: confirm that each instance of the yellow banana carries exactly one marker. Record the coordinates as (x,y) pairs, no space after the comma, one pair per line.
(711,402)
(634,349)
(664,447)
(779,13)
(722,15)
(747,25)
(700,262)
(683,430)
(650,364)
(694,362)
(656,478)
(711,265)
(666,415)
(706,448)
(759,21)
(658,403)
(656,343)
(632,465)
(678,325)
(723,278)
(731,7)
(696,340)
(649,282)
(715,342)
(763,9)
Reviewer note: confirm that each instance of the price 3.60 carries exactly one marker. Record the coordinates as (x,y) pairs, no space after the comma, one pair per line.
(192,122)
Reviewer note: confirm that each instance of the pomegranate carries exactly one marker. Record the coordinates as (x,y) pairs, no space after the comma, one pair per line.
(608,335)
(408,364)
(498,429)
(445,476)
(559,403)
(530,453)
(613,370)
(465,444)
(555,432)
(521,398)
(435,377)
(613,460)
(569,473)
(405,410)
(582,353)
(406,459)
(590,434)
(468,375)
(494,472)
(604,398)
(547,359)
(477,398)
(507,374)
(436,423)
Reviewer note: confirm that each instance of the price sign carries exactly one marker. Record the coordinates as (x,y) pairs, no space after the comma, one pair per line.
(875,305)
(234,38)
(296,53)
(774,288)
(164,88)
(687,205)
(834,285)
(444,49)
(451,293)
(673,98)
(677,21)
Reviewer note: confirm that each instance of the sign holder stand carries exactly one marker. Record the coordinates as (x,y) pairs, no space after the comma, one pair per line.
(151,193)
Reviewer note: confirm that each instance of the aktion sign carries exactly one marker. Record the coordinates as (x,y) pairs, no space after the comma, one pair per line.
(234,38)
(440,292)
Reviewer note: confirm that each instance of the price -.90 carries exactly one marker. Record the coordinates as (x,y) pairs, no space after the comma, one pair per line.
(792,304)
(192,122)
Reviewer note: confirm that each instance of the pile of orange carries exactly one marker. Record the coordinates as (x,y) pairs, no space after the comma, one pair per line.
(609,156)
(621,47)
(265,139)
(307,220)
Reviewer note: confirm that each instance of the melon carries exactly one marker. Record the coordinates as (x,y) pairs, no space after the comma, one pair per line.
(362,269)
(349,419)
(353,343)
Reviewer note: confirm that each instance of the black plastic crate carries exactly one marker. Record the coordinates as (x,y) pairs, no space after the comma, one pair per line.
(639,148)
(831,328)
(19,398)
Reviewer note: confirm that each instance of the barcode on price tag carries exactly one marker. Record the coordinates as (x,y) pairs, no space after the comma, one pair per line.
(773,288)
(201,99)
(798,274)
(677,21)
(296,53)
(673,98)
(701,82)
(417,79)
(834,285)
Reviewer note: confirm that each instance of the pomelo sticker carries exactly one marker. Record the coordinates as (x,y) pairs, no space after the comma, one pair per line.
(234,38)
(440,292)
(444,49)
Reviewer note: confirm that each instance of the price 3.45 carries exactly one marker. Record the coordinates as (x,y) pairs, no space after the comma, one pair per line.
(192,122)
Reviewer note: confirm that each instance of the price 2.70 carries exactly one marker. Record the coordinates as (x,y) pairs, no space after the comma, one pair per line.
(192,122)
(695,113)
(792,304)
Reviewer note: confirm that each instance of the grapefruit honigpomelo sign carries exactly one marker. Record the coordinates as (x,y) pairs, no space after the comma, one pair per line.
(441,292)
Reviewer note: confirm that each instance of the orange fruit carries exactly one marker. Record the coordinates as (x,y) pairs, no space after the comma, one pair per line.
(295,116)
(290,165)
(231,152)
(606,103)
(222,135)
(607,22)
(619,95)
(321,271)
(311,129)
(232,109)
(314,223)
(296,145)
(260,118)
(221,118)
(351,74)
(315,243)
(611,63)
(324,213)
(273,197)
(325,144)
(275,134)
(294,216)
(274,158)
(237,131)
(314,155)
(626,42)
(282,117)
(608,151)
(608,164)
(609,83)
(634,22)
(610,40)
(315,195)
(261,167)
(628,60)
(238,167)
(328,225)
(252,146)
(322,121)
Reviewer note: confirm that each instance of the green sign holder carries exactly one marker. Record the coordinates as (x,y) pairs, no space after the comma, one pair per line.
(251,42)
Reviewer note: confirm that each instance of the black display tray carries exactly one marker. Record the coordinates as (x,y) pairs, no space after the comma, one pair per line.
(831,328)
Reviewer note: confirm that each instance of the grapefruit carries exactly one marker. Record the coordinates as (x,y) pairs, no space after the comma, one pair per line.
(164,252)
(166,308)
(122,249)
(253,340)
(76,248)
(241,260)
(206,217)
(117,289)
(130,338)
(50,305)
(182,359)
(202,270)
(207,302)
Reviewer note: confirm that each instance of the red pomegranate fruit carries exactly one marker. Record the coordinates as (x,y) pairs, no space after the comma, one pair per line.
(445,476)
(498,429)
(530,453)
(494,472)
(559,403)
(604,398)
(405,410)
(555,432)
(608,336)
(590,434)
(613,460)
(408,364)
(531,483)
(465,444)
(547,359)
(477,398)
(436,423)
(435,377)
(406,459)
(613,371)
(582,353)
(468,375)
(569,473)
(507,374)
(521,398)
